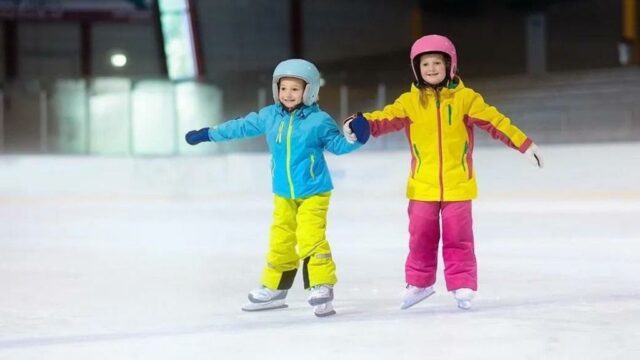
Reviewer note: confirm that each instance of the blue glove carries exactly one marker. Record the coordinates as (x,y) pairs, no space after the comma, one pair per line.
(360,128)
(194,137)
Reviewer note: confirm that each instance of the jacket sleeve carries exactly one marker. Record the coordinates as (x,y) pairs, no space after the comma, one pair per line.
(251,125)
(499,127)
(333,140)
(392,118)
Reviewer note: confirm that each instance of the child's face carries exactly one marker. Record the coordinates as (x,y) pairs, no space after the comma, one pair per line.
(433,68)
(290,92)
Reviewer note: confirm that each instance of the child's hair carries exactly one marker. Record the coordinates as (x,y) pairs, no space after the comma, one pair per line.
(300,69)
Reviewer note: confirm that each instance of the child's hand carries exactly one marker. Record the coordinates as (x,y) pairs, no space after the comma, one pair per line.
(194,137)
(534,155)
(356,128)
(346,130)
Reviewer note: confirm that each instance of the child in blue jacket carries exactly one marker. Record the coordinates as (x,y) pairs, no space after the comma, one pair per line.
(297,133)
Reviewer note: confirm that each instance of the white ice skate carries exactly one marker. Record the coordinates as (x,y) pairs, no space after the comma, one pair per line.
(320,294)
(413,295)
(263,298)
(324,310)
(463,297)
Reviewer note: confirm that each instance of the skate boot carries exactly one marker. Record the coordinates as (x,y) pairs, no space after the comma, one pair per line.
(263,298)
(323,310)
(464,296)
(320,294)
(413,295)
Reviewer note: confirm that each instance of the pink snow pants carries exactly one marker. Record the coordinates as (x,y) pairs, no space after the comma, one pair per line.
(460,268)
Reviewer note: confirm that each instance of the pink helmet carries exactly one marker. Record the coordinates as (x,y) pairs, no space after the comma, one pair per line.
(434,43)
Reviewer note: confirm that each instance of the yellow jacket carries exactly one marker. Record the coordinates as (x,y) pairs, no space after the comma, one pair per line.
(439,129)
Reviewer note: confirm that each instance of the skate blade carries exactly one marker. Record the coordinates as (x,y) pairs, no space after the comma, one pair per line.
(406,305)
(325,314)
(271,305)
(464,305)
(324,310)
(319,301)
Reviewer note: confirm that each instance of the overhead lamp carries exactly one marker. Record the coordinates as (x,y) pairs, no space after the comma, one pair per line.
(118,59)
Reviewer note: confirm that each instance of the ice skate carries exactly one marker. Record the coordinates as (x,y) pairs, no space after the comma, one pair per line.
(320,294)
(413,295)
(263,298)
(323,310)
(464,296)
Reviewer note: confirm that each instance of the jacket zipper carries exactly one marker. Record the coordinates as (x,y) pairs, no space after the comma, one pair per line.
(440,146)
(289,177)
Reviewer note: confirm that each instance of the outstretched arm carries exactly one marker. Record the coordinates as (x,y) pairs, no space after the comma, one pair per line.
(249,126)
(390,119)
(333,141)
(500,127)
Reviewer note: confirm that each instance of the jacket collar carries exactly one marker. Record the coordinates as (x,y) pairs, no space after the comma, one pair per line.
(301,112)
(452,87)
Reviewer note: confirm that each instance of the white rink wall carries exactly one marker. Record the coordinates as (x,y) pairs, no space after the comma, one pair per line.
(579,172)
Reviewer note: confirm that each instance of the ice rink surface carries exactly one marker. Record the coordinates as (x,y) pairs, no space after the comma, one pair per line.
(152,258)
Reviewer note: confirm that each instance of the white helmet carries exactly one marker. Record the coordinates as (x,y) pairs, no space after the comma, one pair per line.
(300,69)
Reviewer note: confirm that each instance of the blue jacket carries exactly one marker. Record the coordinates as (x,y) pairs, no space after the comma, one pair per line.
(296,141)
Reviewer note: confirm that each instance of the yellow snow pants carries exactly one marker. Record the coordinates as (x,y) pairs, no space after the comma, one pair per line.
(298,233)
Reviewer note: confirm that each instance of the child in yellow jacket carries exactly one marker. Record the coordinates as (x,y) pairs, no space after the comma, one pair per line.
(438,116)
